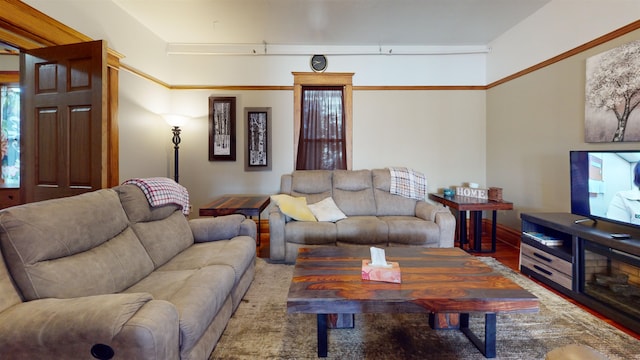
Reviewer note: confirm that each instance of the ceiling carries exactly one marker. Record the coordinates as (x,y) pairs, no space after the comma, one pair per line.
(331,22)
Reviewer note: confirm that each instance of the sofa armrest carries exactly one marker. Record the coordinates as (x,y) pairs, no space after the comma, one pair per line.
(442,217)
(428,211)
(277,246)
(69,328)
(222,228)
(447,224)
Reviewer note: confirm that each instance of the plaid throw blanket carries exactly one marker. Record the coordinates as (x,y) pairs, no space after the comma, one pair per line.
(408,183)
(162,191)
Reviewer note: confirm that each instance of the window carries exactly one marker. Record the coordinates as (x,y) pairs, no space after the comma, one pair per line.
(10,134)
(322,143)
(327,83)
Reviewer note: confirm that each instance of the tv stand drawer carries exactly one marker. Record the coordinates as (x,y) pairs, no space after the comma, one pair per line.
(552,274)
(546,259)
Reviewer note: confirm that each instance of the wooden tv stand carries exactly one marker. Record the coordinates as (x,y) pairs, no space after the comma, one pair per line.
(581,260)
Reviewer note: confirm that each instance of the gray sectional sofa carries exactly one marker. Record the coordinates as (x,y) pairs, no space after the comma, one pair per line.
(375,217)
(103,273)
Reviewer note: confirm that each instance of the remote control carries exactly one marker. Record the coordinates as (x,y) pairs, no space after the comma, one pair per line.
(621,236)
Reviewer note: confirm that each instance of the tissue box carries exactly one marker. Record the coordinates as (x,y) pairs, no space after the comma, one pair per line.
(378,273)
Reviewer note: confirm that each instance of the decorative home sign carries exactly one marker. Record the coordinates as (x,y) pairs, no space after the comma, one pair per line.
(222,128)
(612,95)
(472,192)
(258,136)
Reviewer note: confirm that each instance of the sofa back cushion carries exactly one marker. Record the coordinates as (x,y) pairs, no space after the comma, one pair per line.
(314,185)
(353,192)
(70,247)
(388,204)
(163,231)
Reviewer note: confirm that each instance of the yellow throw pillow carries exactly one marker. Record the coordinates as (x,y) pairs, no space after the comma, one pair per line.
(294,207)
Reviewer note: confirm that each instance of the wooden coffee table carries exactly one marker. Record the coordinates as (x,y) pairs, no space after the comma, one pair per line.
(327,280)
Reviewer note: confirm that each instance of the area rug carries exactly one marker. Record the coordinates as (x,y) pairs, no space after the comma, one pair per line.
(262,329)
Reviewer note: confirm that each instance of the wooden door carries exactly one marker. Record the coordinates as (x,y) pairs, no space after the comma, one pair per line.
(64,131)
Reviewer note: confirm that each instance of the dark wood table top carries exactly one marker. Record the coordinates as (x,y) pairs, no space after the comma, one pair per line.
(464,203)
(248,205)
(328,280)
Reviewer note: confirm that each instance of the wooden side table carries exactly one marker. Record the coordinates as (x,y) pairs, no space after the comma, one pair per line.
(475,205)
(247,205)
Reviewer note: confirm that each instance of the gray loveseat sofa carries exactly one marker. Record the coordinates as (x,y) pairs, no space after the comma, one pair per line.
(104,272)
(375,217)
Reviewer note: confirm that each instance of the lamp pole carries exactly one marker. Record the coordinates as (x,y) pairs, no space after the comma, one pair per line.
(176,142)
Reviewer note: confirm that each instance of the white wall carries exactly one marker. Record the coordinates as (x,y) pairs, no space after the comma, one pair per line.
(516,136)
(532,124)
(427,130)
(557,27)
(371,70)
(436,132)
(144,136)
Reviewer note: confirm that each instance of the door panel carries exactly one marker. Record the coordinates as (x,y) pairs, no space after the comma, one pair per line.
(65,127)
(47,145)
(80,147)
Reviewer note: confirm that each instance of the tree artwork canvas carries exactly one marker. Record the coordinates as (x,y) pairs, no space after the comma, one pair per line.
(258,136)
(222,128)
(612,95)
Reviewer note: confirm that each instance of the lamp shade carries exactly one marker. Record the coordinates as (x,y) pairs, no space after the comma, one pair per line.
(175,120)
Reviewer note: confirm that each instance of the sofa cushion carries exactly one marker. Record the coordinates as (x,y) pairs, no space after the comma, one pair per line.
(353,192)
(163,231)
(237,253)
(409,230)
(362,230)
(317,233)
(387,203)
(314,185)
(327,210)
(294,207)
(198,295)
(48,244)
(166,238)
(137,208)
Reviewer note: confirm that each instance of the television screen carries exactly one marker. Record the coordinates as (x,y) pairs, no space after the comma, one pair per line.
(604,185)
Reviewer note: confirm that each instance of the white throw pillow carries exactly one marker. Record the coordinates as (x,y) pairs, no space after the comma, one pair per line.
(327,210)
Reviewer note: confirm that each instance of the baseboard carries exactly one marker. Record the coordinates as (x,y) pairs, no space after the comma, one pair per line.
(504,233)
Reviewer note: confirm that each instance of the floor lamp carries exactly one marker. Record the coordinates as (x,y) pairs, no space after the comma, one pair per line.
(175,121)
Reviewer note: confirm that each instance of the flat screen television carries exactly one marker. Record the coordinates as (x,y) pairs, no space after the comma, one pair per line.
(600,183)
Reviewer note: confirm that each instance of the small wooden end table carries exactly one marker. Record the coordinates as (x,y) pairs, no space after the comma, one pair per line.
(247,205)
(475,205)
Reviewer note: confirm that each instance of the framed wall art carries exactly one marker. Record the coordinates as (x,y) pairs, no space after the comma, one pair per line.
(613,95)
(222,128)
(258,139)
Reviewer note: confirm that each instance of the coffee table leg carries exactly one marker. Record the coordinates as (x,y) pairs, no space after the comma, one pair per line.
(322,335)
(488,347)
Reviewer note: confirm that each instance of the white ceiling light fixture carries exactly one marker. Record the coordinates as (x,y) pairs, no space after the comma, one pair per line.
(292,50)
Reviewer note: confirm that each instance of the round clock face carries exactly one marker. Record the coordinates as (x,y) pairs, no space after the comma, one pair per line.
(318,63)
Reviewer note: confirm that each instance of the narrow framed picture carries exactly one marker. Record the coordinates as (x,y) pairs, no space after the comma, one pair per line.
(258,136)
(222,128)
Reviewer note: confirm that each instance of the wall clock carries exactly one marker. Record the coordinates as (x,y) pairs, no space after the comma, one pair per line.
(318,63)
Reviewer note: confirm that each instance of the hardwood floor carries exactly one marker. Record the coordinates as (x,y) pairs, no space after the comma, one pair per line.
(506,253)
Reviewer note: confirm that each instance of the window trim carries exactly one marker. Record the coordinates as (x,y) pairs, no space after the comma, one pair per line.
(345,80)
